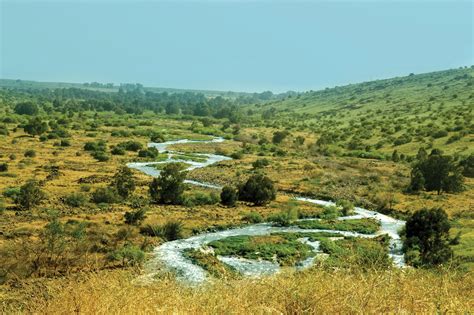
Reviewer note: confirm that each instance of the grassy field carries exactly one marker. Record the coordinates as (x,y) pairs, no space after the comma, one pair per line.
(338,145)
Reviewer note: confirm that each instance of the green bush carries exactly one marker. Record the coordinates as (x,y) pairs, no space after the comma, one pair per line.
(3,167)
(30,153)
(252,217)
(100,156)
(135,217)
(30,195)
(75,200)
(129,255)
(105,195)
(131,145)
(258,189)
(172,230)
(117,151)
(229,196)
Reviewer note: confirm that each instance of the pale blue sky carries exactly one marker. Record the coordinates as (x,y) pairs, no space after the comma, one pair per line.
(232,45)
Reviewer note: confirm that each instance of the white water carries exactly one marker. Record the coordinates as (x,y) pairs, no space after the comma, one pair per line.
(170,254)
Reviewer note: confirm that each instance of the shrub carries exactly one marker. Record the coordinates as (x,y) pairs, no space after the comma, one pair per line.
(65,143)
(3,167)
(100,156)
(117,151)
(123,182)
(11,192)
(95,146)
(253,217)
(199,198)
(148,153)
(237,155)
(30,195)
(135,217)
(105,195)
(75,200)
(330,212)
(259,163)
(151,230)
(427,238)
(129,255)
(168,188)
(172,230)
(285,218)
(131,145)
(258,189)
(436,173)
(157,138)
(30,153)
(26,108)
(346,206)
(279,136)
(228,196)
(35,127)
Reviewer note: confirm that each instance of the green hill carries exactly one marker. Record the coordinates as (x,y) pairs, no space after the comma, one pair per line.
(404,113)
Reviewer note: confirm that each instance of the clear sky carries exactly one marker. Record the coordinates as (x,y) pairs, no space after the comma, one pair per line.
(232,45)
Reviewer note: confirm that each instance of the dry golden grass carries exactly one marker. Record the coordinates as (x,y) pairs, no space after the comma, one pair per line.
(313,291)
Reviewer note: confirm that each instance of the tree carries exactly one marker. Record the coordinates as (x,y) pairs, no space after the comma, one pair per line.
(168,188)
(258,189)
(468,166)
(427,238)
(30,195)
(228,196)
(35,127)
(395,156)
(437,173)
(123,182)
(279,136)
(26,108)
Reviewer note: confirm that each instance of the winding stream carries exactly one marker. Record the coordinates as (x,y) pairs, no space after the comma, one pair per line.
(170,254)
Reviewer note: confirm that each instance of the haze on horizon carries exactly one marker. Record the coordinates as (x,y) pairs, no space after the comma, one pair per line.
(232,45)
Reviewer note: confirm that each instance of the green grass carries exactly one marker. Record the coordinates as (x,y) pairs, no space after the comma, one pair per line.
(364,226)
(285,251)
(189,157)
(210,263)
(357,252)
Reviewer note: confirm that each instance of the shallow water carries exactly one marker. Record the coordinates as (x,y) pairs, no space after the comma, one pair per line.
(170,254)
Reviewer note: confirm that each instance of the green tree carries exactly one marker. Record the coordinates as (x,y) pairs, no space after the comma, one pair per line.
(168,188)
(438,172)
(228,196)
(279,136)
(258,189)
(395,156)
(26,108)
(30,195)
(123,182)
(427,239)
(35,127)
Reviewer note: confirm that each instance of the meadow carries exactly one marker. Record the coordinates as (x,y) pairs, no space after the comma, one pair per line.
(75,249)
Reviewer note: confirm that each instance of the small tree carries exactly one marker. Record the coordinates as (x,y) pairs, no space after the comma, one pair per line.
(427,237)
(279,136)
(26,108)
(123,182)
(36,127)
(258,189)
(437,173)
(30,195)
(228,196)
(168,188)
(395,156)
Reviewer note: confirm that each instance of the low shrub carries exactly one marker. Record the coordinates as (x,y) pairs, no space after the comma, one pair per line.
(105,195)
(252,217)
(75,200)
(30,153)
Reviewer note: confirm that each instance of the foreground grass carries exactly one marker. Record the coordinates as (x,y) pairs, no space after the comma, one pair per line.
(314,291)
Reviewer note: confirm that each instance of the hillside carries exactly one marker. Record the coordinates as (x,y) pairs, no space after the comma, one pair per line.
(432,110)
